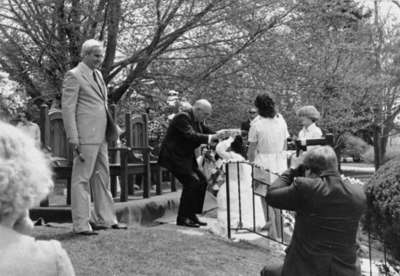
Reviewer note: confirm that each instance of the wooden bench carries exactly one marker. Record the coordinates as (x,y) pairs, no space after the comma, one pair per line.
(127,160)
(137,160)
(54,140)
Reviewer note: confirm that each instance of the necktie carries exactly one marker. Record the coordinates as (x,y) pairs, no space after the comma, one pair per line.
(97,82)
(200,127)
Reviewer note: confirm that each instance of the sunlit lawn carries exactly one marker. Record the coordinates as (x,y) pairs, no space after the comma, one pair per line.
(158,250)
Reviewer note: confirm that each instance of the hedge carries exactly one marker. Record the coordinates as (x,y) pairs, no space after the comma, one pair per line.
(383,199)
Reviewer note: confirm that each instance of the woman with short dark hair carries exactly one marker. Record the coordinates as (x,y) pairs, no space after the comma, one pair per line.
(265,105)
(328,211)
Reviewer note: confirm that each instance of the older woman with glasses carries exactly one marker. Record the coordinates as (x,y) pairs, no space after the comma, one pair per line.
(245,125)
(25,179)
(328,211)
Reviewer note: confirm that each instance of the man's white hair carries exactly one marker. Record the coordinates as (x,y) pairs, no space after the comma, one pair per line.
(89,45)
(202,104)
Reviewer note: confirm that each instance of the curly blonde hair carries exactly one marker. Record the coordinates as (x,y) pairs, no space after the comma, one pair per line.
(25,175)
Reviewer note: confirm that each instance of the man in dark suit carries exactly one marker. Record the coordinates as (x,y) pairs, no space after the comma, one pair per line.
(185,133)
(328,210)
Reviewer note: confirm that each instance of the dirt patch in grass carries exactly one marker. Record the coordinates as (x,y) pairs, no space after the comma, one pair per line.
(159,250)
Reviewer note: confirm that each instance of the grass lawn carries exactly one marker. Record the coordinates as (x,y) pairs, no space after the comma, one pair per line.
(158,250)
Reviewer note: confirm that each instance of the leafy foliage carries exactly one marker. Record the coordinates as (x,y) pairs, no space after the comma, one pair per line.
(383,197)
(327,53)
(12,97)
(41,40)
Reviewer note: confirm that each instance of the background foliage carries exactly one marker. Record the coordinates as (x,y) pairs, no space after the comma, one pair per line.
(338,55)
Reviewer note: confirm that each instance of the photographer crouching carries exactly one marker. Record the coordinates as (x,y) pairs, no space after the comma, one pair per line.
(328,210)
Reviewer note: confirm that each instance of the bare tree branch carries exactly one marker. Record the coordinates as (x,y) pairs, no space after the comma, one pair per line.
(396,2)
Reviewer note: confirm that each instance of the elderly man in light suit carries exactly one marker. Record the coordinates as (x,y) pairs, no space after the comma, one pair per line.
(85,115)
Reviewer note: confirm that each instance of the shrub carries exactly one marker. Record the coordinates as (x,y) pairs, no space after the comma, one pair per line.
(383,199)
(392,151)
(354,146)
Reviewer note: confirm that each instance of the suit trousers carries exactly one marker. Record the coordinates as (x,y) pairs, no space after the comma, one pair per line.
(194,186)
(91,176)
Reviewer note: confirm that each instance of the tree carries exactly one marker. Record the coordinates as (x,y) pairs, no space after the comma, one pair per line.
(12,97)
(40,40)
(317,57)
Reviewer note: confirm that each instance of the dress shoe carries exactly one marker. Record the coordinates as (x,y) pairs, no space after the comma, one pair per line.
(87,233)
(199,222)
(97,227)
(187,222)
(119,226)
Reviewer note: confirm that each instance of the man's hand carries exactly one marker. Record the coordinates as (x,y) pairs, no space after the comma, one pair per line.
(75,146)
(295,162)
(224,133)
(215,137)
(77,151)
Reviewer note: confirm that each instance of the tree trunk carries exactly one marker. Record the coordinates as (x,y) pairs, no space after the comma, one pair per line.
(113,20)
(377,147)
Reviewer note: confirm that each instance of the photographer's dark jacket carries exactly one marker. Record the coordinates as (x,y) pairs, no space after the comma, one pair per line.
(183,136)
(328,210)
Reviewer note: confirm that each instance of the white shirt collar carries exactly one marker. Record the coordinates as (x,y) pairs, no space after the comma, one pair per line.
(310,127)
(86,68)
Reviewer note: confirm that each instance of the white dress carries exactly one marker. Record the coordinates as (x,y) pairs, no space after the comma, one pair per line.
(246,194)
(270,135)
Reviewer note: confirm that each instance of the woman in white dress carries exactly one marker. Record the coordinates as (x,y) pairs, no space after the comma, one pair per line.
(232,149)
(267,146)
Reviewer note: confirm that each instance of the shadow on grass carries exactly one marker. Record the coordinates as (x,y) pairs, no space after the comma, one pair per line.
(54,232)
(60,236)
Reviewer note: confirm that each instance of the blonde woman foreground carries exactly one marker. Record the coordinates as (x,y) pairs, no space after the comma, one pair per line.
(25,179)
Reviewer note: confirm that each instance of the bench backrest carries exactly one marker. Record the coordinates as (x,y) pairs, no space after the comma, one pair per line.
(53,134)
(58,138)
(137,130)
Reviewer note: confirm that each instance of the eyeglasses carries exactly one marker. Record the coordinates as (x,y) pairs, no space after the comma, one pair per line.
(252,112)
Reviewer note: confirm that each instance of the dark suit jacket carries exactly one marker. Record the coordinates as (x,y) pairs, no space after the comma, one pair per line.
(183,136)
(328,211)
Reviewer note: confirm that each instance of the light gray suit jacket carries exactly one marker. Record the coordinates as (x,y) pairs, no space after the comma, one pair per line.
(84,106)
